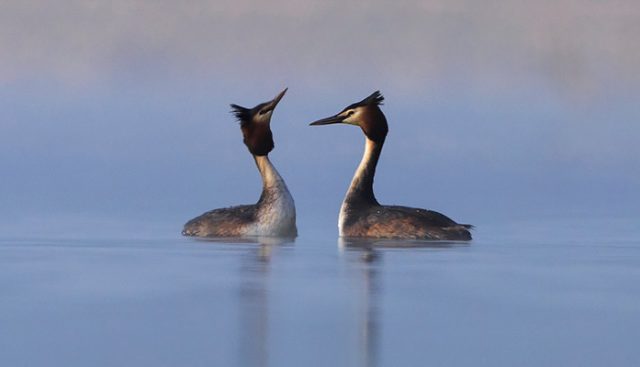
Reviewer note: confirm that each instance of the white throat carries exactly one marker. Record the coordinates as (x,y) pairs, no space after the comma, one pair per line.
(355,181)
(277,212)
(270,176)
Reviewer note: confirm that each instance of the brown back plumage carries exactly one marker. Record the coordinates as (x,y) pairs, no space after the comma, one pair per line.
(223,222)
(402,222)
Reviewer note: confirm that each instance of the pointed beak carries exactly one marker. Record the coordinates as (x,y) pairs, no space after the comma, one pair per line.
(329,120)
(272,105)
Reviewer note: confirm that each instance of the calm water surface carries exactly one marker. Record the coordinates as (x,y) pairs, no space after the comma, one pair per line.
(526,294)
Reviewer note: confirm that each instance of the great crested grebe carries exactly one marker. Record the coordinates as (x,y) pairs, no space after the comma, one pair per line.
(361,215)
(274,214)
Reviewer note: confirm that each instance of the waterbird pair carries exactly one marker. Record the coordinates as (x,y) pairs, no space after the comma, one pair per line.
(361,216)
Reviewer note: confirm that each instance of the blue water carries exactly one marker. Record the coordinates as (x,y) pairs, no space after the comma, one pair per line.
(556,293)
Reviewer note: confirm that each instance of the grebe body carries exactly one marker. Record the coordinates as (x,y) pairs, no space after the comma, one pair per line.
(360,214)
(274,214)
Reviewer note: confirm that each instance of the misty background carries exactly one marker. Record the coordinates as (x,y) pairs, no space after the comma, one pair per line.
(115,116)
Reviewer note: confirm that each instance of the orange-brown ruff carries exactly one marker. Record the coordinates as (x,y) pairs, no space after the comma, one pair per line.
(361,215)
(274,214)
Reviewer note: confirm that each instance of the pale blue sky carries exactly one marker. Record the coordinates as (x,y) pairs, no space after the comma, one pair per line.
(509,109)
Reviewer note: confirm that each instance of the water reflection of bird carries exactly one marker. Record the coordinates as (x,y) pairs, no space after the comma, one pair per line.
(253,307)
(361,215)
(254,301)
(253,295)
(274,214)
(364,259)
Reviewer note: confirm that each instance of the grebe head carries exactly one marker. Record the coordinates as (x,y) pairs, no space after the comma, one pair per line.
(255,125)
(366,114)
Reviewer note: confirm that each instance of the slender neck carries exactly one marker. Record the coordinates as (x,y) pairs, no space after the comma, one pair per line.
(270,176)
(361,188)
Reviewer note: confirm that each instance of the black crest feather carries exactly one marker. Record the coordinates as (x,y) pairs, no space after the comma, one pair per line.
(375,98)
(243,114)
